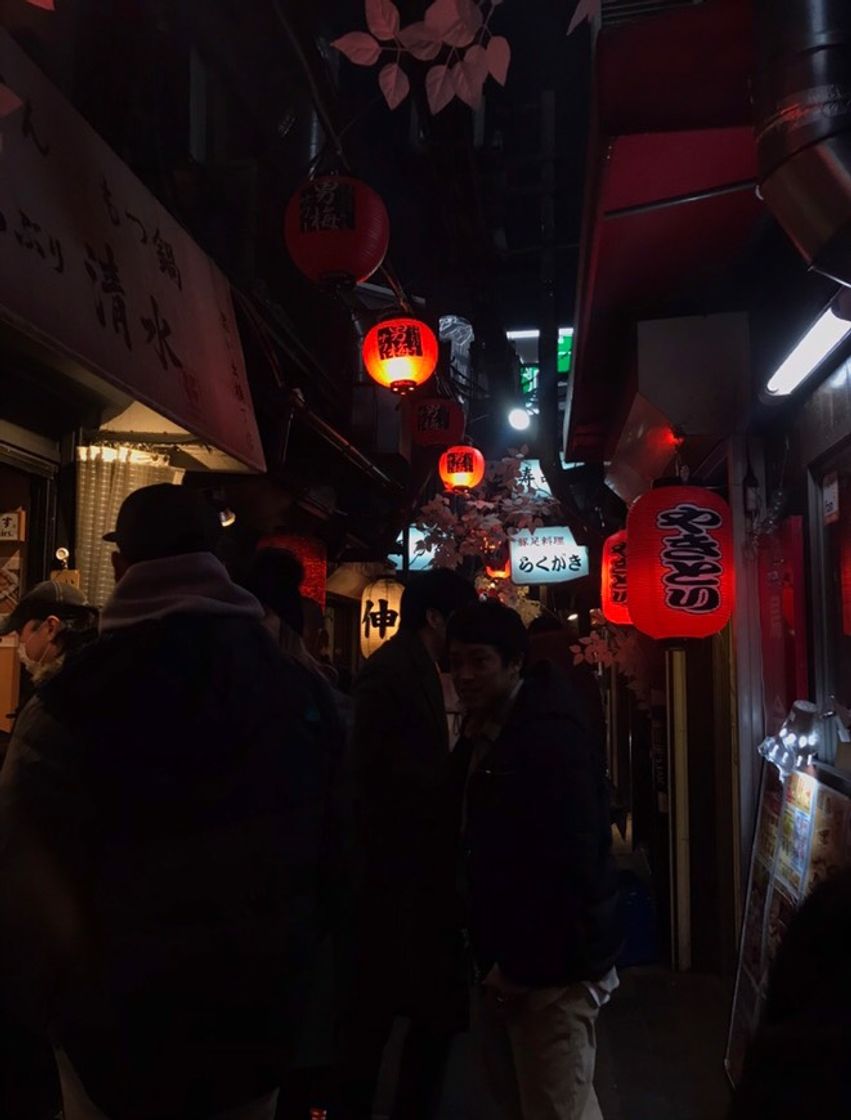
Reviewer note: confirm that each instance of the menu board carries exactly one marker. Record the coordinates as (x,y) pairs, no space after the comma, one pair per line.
(803,836)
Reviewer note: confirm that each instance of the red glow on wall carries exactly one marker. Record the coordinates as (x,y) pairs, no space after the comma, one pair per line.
(311,552)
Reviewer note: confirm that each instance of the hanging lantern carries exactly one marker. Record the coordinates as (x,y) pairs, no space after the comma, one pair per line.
(681,570)
(614,573)
(400,354)
(380,614)
(499,567)
(312,555)
(337,230)
(461,467)
(435,421)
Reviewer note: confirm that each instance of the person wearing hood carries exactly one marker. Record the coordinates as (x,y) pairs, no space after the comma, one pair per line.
(542,888)
(163,808)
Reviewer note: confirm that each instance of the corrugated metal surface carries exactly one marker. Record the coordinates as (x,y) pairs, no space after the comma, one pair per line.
(623,11)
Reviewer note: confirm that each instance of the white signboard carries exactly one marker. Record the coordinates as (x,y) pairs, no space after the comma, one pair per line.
(420,558)
(94,266)
(547,555)
(10,526)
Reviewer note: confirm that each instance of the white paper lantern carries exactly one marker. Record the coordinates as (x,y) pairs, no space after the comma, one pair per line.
(380,614)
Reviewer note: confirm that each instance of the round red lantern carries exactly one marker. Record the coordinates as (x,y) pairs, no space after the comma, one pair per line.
(461,467)
(337,230)
(400,354)
(312,555)
(681,563)
(503,571)
(613,588)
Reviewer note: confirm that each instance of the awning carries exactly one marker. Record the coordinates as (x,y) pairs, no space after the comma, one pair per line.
(96,271)
(671,198)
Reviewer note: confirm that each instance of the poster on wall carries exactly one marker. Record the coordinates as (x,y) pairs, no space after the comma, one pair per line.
(803,835)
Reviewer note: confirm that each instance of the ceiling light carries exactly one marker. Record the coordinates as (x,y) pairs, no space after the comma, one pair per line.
(563,332)
(823,336)
(227,518)
(573,618)
(519,419)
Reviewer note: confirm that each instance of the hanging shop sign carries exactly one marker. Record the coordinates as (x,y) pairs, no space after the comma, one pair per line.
(92,265)
(312,555)
(380,616)
(400,354)
(681,563)
(420,556)
(461,468)
(613,588)
(435,421)
(547,555)
(337,230)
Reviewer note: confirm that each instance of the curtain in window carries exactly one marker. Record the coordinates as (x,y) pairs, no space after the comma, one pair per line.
(105,476)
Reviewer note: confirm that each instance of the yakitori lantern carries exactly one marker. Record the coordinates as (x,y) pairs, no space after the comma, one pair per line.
(337,230)
(380,608)
(613,587)
(400,354)
(461,467)
(312,554)
(681,577)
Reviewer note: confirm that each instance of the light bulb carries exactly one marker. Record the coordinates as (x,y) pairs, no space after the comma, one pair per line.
(519,419)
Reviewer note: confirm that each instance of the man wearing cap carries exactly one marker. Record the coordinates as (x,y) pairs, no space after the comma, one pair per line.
(164,811)
(51,620)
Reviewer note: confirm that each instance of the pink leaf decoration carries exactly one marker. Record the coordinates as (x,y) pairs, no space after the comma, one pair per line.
(440,88)
(457,22)
(48,5)
(467,85)
(394,84)
(382,18)
(476,64)
(358,47)
(9,101)
(499,58)
(420,41)
(585,10)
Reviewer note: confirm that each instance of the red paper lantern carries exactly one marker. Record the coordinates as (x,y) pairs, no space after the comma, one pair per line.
(400,354)
(681,563)
(337,230)
(461,467)
(503,571)
(613,588)
(311,553)
(435,421)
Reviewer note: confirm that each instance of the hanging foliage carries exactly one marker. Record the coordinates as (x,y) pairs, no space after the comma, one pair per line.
(610,646)
(510,595)
(586,11)
(453,34)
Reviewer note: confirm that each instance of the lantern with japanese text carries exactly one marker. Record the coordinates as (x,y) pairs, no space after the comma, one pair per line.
(400,354)
(435,421)
(681,563)
(461,468)
(613,588)
(380,614)
(337,230)
(312,555)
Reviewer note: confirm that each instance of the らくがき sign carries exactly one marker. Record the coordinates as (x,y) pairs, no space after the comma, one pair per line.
(547,555)
(95,268)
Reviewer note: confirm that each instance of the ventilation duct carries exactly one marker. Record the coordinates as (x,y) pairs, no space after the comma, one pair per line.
(802,99)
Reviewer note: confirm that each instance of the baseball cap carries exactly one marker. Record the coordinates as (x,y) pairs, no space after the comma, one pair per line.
(165,520)
(46,599)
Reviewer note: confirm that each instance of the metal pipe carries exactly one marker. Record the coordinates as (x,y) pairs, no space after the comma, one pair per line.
(681,199)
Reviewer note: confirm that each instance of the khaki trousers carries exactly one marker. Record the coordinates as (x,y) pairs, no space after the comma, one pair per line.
(538,1053)
(77,1105)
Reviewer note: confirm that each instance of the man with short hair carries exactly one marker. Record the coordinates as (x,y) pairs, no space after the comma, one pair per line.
(163,829)
(407,958)
(542,886)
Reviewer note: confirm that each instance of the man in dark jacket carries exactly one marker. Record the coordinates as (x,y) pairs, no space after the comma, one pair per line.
(542,886)
(162,837)
(407,958)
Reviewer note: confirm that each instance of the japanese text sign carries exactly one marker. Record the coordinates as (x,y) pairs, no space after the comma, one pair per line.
(94,266)
(11,526)
(547,555)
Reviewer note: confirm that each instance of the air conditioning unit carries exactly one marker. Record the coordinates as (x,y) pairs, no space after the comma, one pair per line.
(625,11)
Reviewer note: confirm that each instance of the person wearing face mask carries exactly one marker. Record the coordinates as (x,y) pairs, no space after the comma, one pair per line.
(52,622)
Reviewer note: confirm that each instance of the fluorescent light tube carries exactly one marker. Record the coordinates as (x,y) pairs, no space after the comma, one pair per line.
(823,336)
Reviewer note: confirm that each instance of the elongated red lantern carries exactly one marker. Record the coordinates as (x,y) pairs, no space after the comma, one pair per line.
(613,588)
(312,554)
(461,467)
(400,354)
(337,230)
(681,566)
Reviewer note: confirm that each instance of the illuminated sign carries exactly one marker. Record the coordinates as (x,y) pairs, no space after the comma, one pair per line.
(547,555)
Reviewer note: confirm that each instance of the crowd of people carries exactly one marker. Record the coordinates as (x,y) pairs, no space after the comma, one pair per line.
(223,882)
